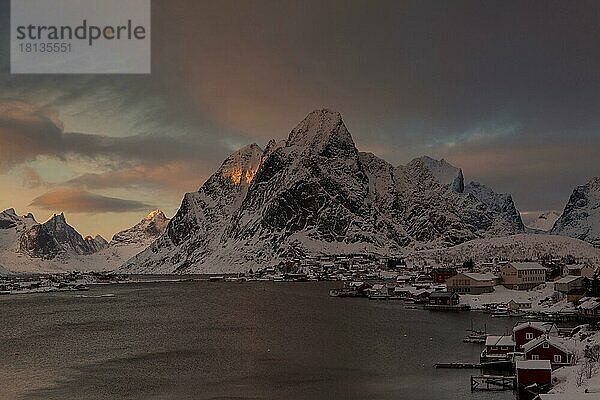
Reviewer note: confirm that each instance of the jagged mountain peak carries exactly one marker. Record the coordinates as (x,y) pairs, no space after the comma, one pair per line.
(10,211)
(502,215)
(96,243)
(322,131)
(442,171)
(581,216)
(155,214)
(54,237)
(9,219)
(97,237)
(57,219)
(486,194)
(144,232)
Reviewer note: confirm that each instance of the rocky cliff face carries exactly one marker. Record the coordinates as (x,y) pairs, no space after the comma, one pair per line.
(581,216)
(56,236)
(316,193)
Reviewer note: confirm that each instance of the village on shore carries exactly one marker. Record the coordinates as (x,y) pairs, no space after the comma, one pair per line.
(553,351)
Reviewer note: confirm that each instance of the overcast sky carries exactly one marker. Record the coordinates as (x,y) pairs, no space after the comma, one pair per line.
(506,90)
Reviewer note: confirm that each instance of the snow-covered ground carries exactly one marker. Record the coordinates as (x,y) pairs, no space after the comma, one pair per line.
(105,260)
(567,379)
(515,247)
(504,295)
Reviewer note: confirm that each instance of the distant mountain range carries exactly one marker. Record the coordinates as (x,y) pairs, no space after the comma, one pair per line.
(28,246)
(313,193)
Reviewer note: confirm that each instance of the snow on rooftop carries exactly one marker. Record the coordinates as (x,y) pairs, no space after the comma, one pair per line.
(541,326)
(590,304)
(503,340)
(539,340)
(568,279)
(479,276)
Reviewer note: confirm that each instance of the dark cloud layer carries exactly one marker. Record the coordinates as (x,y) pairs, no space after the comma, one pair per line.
(81,201)
(507,90)
(28,132)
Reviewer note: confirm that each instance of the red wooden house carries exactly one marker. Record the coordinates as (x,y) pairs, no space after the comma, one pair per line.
(527,331)
(534,372)
(548,348)
(440,275)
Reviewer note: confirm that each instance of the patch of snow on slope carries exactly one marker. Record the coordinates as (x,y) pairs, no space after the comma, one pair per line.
(514,247)
(540,221)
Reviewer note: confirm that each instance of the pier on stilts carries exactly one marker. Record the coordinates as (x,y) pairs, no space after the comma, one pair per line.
(493,382)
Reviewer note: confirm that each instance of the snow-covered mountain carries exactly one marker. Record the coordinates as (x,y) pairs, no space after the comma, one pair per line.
(581,216)
(444,172)
(144,232)
(541,222)
(28,246)
(56,237)
(315,193)
(12,226)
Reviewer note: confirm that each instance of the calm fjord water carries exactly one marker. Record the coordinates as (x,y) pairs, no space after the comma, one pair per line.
(209,340)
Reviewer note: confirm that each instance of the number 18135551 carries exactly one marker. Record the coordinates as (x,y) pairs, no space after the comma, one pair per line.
(45,47)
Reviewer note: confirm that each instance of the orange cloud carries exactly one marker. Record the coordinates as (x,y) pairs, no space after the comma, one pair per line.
(181,176)
(81,201)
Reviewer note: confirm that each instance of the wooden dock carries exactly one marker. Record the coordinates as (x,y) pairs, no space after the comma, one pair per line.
(445,307)
(493,383)
(491,365)
(458,365)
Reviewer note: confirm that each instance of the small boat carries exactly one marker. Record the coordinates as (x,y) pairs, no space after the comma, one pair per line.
(517,314)
(474,340)
(500,312)
(216,278)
